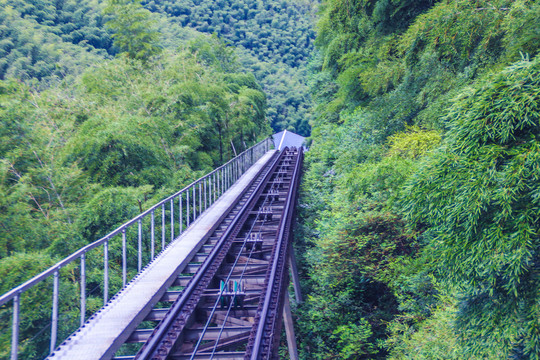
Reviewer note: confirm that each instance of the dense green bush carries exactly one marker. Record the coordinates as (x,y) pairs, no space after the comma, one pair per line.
(419,202)
(479,197)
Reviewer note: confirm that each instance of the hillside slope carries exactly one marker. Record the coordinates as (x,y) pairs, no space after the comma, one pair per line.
(418,233)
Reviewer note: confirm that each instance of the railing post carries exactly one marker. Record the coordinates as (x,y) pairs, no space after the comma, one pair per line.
(214,191)
(172,219)
(105,272)
(152,234)
(124,257)
(200,199)
(139,246)
(205,195)
(187,207)
(180,213)
(15,327)
(194,205)
(162,226)
(83,288)
(222,184)
(223,179)
(54,317)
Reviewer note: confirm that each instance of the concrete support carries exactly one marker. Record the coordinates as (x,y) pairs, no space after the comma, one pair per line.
(294,275)
(289,328)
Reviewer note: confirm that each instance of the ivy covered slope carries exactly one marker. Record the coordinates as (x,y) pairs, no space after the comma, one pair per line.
(79,158)
(419,213)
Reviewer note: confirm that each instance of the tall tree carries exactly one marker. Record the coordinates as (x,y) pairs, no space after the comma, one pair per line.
(133,27)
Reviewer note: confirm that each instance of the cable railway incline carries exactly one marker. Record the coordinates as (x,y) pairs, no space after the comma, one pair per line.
(218,290)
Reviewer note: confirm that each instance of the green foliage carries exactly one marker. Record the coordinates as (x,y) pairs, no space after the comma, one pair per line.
(358,249)
(119,152)
(49,40)
(433,339)
(480,198)
(416,92)
(414,143)
(354,340)
(274,39)
(133,29)
(280,31)
(78,160)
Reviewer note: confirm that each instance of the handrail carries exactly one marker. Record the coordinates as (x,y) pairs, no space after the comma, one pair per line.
(217,181)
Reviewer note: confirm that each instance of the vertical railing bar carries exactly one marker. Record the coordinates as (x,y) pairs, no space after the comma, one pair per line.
(139,247)
(180,212)
(152,234)
(124,257)
(54,317)
(15,327)
(172,219)
(187,207)
(213,182)
(83,288)
(194,199)
(162,226)
(105,272)
(200,198)
(205,195)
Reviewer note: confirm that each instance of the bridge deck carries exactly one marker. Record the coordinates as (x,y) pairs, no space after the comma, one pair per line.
(109,328)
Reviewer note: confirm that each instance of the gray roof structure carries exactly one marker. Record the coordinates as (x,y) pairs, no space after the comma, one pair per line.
(287,139)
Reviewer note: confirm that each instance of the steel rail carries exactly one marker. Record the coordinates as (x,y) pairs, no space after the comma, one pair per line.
(157,339)
(222,290)
(257,340)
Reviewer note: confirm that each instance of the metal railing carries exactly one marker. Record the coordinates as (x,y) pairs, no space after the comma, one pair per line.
(176,212)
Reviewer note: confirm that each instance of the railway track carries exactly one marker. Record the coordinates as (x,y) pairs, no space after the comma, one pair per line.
(227,302)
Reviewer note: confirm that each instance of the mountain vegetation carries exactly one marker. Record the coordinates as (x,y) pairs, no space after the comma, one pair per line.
(418,232)
(96,128)
(419,213)
(274,40)
(49,40)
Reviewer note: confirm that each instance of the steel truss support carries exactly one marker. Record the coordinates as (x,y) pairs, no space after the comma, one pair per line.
(294,275)
(289,328)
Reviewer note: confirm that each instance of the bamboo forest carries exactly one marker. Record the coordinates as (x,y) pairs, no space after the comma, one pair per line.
(417,228)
